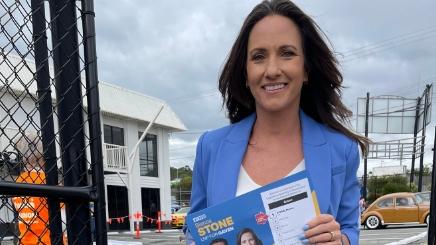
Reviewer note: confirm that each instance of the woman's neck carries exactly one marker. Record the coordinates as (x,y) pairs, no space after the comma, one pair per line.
(277,124)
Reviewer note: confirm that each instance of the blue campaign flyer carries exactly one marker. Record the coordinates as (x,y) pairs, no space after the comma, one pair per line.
(272,214)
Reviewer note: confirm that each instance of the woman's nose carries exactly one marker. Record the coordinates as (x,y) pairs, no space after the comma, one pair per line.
(273,69)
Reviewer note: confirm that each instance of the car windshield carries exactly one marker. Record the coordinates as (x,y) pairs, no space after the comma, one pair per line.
(182,210)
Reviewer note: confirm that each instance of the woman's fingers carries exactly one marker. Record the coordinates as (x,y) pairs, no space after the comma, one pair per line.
(320,219)
(325,238)
(321,224)
(323,229)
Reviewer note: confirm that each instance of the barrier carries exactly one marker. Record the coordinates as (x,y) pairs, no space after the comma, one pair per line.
(150,220)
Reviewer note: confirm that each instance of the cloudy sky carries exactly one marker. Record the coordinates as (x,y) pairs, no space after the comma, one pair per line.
(174,50)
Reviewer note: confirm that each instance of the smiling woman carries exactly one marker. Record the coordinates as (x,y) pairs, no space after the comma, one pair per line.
(275,64)
(282,90)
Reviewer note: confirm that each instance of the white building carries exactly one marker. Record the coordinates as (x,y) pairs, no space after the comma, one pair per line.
(125,114)
(389,170)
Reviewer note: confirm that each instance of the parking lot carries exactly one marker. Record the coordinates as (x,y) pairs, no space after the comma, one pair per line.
(390,234)
(367,237)
(167,237)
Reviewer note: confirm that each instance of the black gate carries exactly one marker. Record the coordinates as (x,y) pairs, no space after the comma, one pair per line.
(51,173)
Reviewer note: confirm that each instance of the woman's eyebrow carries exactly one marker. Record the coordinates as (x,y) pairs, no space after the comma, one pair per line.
(287,46)
(257,50)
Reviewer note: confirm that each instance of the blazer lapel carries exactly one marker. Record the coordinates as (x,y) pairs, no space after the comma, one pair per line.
(231,152)
(317,160)
(228,161)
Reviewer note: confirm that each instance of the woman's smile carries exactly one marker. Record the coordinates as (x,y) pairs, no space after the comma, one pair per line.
(275,87)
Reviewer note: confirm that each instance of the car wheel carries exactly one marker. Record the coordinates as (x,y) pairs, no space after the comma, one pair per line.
(372,222)
(427,219)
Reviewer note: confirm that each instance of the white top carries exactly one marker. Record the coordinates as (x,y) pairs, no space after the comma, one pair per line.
(246,183)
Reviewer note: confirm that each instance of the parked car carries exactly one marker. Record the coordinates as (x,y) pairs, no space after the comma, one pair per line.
(395,208)
(178,218)
(174,207)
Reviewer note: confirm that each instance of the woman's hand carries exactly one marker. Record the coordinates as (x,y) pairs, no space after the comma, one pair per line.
(323,229)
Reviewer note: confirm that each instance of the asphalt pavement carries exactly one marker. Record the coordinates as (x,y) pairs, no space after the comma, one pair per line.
(167,237)
(173,237)
(390,234)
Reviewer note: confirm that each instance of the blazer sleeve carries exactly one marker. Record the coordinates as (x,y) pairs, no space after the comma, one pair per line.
(198,191)
(348,213)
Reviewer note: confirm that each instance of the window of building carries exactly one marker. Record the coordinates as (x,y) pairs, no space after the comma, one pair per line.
(113,135)
(148,155)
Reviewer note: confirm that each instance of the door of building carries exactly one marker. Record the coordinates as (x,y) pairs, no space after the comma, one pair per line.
(118,207)
(150,206)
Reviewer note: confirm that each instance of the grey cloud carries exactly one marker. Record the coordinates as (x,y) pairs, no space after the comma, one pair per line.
(174,50)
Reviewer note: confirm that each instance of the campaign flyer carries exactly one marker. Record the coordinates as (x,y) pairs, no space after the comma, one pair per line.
(272,214)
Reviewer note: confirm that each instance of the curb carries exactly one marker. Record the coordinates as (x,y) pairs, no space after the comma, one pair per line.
(409,240)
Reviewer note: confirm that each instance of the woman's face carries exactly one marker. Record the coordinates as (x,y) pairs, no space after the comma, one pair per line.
(248,239)
(275,64)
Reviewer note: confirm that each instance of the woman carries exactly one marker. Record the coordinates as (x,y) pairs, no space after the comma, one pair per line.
(247,237)
(281,87)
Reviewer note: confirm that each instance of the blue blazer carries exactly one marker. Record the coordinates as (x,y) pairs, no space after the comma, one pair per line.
(331,160)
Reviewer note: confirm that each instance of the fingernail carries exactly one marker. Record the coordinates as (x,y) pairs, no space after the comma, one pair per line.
(305,241)
(306,227)
(302,236)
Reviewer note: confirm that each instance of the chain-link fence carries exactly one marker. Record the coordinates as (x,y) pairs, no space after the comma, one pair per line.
(51,176)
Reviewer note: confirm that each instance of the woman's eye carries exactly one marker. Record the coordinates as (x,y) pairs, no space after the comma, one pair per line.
(288,53)
(257,57)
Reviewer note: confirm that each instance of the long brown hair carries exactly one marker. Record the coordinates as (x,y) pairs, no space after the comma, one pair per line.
(320,97)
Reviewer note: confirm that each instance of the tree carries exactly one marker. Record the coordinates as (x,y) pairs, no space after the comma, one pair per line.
(181,172)
(181,184)
(426,171)
(186,183)
(382,185)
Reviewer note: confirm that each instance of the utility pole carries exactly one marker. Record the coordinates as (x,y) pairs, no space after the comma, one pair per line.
(415,135)
(424,126)
(365,163)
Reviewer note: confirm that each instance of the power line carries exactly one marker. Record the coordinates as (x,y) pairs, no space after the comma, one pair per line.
(388,40)
(182,148)
(385,46)
(179,158)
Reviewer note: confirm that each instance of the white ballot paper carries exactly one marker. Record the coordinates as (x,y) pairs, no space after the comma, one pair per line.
(288,207)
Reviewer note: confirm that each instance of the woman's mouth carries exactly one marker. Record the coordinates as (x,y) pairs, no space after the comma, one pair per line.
(274,87)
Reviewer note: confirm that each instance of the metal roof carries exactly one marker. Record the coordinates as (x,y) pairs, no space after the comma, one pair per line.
(114,100)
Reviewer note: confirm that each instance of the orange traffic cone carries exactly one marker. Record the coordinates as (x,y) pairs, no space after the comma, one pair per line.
(158,223)
(137,234)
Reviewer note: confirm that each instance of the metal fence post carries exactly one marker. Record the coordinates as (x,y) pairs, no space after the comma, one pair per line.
(70,114)
(94,120)
(46,115)
(432,222)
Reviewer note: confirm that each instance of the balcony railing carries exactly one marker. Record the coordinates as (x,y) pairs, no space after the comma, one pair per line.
(115,157)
